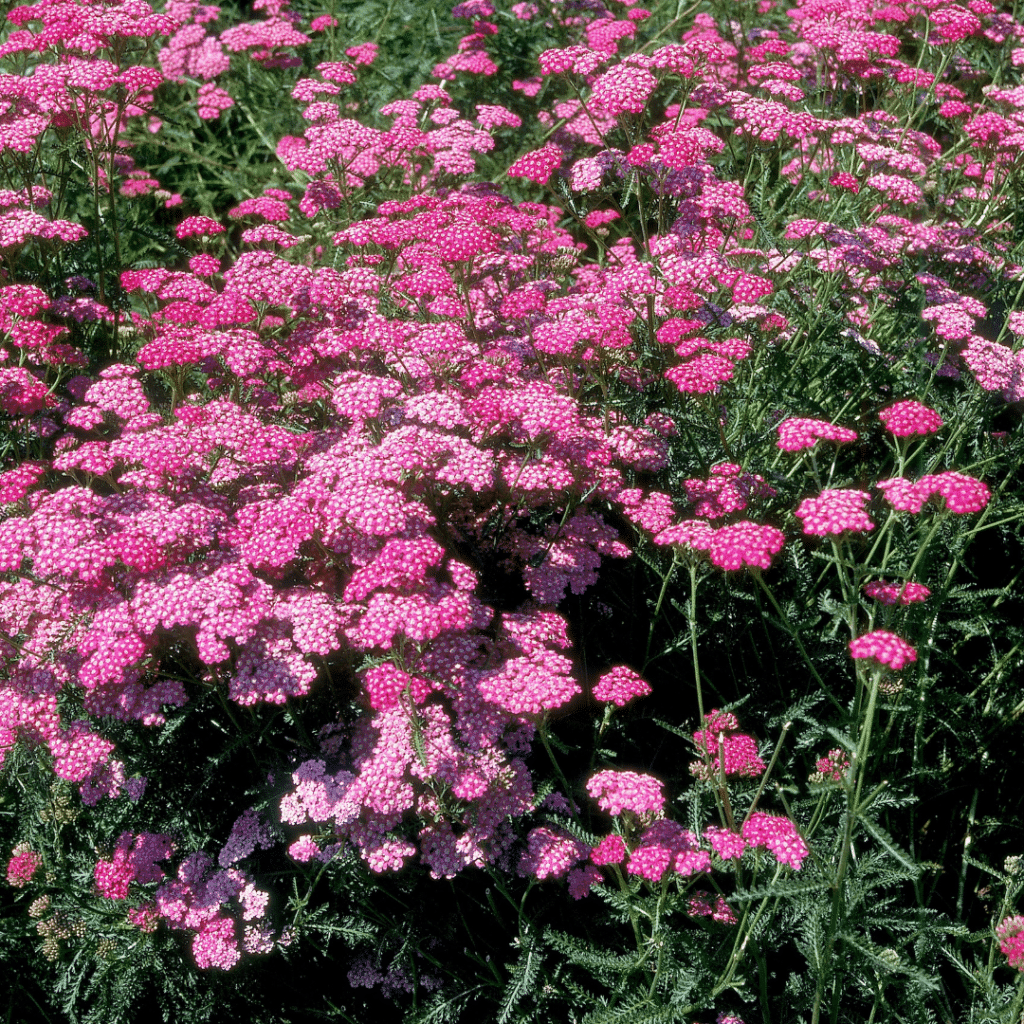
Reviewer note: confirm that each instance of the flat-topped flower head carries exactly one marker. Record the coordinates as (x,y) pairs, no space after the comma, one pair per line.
(799,432)
(962,493)
(745,544)
(909,418)
(896,593)
(726,843)
(617,791)
(619,686)
(611,850)
(778,835)
(537,165)
(884,647)
(667,846)
(835,512)
(550,853)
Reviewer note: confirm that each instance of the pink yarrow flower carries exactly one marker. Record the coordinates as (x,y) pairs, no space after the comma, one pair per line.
(832,767)
(729,547)
(907,418)
(727,844)
(728,751)
(834,512)
(797,433)
(550,853)
(745,544)
(619,686)
(1010,933)
(962,493)
(22,866)
(778,835)
(616,792)
(894,593)
(885,647)
(667,846)
(537,165)
(611,850)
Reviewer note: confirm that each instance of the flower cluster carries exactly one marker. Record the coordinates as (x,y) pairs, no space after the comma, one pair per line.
(884,647)
(1010,933)
(904,419)
(726,750)
(797,433)
(22,866)
(835,512)
(618,791)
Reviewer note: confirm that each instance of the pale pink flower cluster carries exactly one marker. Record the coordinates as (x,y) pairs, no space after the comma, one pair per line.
(618,791)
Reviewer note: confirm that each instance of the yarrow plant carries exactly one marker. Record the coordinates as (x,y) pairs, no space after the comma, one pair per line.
(453,476)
